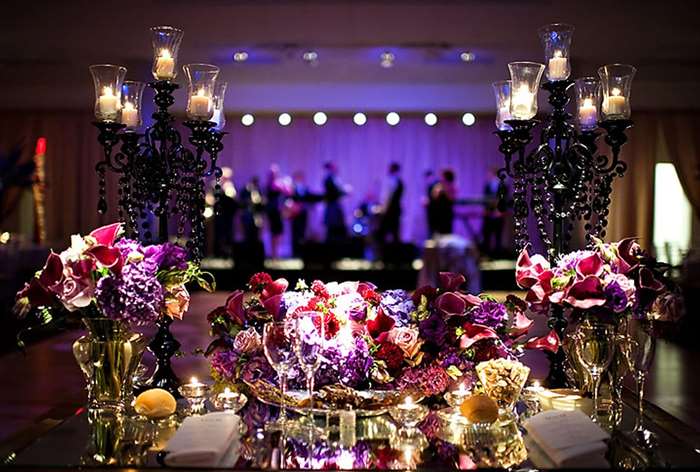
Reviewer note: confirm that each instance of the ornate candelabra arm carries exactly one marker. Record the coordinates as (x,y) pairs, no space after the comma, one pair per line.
(125,159)
(616,137)
(108,137)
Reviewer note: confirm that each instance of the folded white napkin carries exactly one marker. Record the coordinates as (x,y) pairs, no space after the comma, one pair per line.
(569,438)
(209,440)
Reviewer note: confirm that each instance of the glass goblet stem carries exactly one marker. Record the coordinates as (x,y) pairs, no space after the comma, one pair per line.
(310,388)
(283,387)
(595,375)
(641,379)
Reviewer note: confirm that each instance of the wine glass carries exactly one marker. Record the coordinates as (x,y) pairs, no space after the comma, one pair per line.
(643,347)
(308,341)
(595,346)
(277,344)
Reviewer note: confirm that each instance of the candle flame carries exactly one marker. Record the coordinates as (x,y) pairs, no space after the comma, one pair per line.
(227,391)
(128,106)
(107,91)
(587,102)
(165,54)
(616,92)
(536,383)
(557,54)
(201,92)
(194,380)
(409,400)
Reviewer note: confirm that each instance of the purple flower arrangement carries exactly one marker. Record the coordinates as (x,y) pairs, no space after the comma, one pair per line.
(118,278)
(426,342)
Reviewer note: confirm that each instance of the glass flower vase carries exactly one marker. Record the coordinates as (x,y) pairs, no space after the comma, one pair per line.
(108,356)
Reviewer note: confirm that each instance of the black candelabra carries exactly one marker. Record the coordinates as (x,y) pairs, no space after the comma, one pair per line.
(160,178)
(561,181)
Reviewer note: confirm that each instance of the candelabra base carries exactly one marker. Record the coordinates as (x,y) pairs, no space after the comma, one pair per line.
(164,346)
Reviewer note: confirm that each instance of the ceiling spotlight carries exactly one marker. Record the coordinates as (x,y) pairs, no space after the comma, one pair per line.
(393,118)
(240,56)
(387,59)
(310,57)
(359,119)
(320,118)
(467,56)
(247,119)
(468,119)
(431,119)
(284,119)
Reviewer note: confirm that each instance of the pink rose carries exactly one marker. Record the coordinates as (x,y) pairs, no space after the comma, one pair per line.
(247,341)
(407,339)
(74,292)
(177,302)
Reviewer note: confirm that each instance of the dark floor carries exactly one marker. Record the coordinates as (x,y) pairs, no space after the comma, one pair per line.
(47,376)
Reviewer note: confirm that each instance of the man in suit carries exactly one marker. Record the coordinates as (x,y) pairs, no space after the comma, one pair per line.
(390,224)
(334,217)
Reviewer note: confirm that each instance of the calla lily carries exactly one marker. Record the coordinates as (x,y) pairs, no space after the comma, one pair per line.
(586,293)
(521,324)
(627,250)
(451,304)
(52,273)
(277,287)
(591,265)
(273,306)
(234,306)
(528,269)
(379,324)
(550,342)
(451,281)
(106,235)
(474,333)
(105,256)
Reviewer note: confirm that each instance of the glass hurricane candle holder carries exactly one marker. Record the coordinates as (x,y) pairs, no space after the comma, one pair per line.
(408,413)
(108,81)
(455,398)
(525,82)
(132,92)
(166,44)
(502,90)
(556,39)
(201,80)
(587,100)
(229,401)
(218,116)
(616,82)
(195,392)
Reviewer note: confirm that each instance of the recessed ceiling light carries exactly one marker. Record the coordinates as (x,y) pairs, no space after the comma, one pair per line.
(468,119)
(393,118)
(359,119)
(240,56)
(320,118)
(284,119)
(247,119)
(386,59)
(430,119)
(467,56)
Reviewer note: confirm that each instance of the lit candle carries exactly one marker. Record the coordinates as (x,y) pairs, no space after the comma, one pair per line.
(108,103)
(522,103)
(588,114)
(614,104)
(130,115)
(165,65)
(200,105)
(558,67)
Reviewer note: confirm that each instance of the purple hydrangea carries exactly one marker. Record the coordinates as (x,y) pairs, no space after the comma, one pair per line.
(616,299)
(568,262)
(433,330)
(128,246)
(355,368)
(135,295)
(397,304)
(167,256)
(224,364)
(489,313)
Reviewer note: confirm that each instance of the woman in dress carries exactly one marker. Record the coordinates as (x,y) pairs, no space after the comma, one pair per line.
(443,199)
(277,189)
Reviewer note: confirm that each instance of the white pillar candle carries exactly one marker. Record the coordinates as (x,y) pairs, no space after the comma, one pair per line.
(108,103)
(130,115)
(522,102)
(200,105)
(165,65)
(614,104)
(588,113)
(558,68)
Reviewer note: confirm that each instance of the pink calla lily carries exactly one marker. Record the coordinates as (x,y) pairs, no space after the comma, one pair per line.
(528,269)
(591,265)
(105,256)
(234,306)
(474,333)
(521,324)
(106,235)
(550,342)
(53,271)
(451,304)
(273,306)
(277,287)
(586,293)
(450,281)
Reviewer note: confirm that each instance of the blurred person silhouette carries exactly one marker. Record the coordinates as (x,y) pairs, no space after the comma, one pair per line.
(334,216)
(428,201)
(277,188)
(493,222)
(443,197)
(252,205)
(297,210)
(390,219)
(225,215)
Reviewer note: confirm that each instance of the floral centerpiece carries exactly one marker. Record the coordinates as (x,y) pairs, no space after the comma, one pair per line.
(423,341)
(113,284)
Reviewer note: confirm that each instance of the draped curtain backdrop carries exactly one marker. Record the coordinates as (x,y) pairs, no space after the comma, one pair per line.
(362,154)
